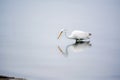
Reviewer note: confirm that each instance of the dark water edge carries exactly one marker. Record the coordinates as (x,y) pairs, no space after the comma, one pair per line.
(2,77)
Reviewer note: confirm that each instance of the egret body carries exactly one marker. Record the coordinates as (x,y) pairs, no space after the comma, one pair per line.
(76,34)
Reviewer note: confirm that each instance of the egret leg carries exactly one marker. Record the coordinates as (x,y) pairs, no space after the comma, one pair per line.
(79,40)
(76,40)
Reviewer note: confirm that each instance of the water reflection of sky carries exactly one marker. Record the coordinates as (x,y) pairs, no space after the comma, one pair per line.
(28,39)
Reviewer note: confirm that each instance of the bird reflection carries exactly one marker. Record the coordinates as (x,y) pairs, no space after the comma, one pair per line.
(76,47)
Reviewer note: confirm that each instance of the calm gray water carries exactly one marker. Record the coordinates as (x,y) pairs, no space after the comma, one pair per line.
(29,47)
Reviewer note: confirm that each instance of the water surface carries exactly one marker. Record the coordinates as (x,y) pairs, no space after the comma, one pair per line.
(29,47)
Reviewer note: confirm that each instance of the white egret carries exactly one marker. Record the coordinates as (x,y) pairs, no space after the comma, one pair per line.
(76,34)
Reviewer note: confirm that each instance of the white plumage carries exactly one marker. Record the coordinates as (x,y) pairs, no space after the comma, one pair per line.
(79,35)
(76,34)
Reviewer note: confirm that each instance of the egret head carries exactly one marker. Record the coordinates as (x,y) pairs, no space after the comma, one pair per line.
(61,31)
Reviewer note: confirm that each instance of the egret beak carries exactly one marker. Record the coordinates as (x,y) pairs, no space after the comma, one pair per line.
(60,34)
